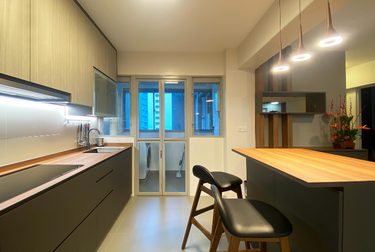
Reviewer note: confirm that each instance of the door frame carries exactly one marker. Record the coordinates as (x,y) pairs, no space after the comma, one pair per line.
(161,140)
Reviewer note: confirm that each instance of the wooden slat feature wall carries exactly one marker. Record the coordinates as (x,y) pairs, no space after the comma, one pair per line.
(259,119)
(265,80)
(287,120)
(273,131)
(259,131)
(287,131)
(275,77)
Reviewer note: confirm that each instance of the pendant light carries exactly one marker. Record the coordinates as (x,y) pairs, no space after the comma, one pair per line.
(281,65)
(331,37)
(301,53)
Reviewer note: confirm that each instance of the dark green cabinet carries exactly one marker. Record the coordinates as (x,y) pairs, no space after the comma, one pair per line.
(59,218)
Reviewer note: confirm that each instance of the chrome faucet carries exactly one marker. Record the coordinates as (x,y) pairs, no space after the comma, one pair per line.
(88,137)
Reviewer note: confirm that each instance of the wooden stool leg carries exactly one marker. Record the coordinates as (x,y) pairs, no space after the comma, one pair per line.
(234,243)
(215,219)
(284,244)
(193,209)
(239,192)
(216,235)
(263,246)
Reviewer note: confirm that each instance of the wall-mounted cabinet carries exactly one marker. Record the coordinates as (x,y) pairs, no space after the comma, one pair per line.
(65,48)
(15,38)
(290,103)
(54,43)
(105,95)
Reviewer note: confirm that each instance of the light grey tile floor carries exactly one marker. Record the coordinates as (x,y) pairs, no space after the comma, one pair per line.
(158,224)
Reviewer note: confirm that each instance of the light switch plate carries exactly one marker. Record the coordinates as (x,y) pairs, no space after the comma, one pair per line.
(242,129)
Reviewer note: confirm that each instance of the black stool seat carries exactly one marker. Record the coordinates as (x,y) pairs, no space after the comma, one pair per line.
(225,180)
(222,180)
(253,218)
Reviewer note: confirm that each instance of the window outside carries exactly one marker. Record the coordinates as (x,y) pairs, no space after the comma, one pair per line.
(206,109)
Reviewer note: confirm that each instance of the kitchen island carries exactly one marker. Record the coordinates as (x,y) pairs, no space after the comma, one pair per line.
(329,199)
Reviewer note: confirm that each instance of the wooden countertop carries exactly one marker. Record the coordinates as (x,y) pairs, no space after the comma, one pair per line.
(313,168)
(75,156)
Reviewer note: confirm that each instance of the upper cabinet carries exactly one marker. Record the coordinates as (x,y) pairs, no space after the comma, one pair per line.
(54,43)
(65,48)
(15,38)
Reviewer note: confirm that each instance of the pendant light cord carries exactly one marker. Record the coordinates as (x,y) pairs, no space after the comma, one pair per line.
(300,12)
(280,19)
(280,31)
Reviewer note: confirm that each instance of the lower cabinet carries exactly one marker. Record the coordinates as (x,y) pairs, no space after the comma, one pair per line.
(75,215)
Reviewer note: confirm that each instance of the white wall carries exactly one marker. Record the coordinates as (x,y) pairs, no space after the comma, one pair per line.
(360,75)
(208,152)
(239,111)
(30,129)
(170,63)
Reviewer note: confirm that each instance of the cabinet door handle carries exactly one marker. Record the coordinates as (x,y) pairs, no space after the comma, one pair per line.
(104,176)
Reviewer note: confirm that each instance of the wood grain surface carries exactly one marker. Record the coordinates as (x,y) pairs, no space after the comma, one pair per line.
(312,168)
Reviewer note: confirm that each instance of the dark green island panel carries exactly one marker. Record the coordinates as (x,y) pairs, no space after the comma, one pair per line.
(75,215)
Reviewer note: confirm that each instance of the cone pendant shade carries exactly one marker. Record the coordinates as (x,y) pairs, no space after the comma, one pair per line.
(281,65)
(301,53)
(331,37)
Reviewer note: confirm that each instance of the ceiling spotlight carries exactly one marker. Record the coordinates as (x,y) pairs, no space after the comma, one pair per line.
(331,37)
(274,102)
(301,53)
(281,65)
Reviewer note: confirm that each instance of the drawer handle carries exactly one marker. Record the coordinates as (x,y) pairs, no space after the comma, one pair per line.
(104,176)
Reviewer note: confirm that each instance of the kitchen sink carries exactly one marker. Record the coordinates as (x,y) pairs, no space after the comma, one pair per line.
(104,149)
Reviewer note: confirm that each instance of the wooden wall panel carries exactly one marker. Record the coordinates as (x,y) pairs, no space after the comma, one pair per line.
(273,131)
(266,80)
(287,131)
(259,131)
(15,38)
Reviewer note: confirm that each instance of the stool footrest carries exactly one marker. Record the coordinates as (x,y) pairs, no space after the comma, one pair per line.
(201,228)
(203,210)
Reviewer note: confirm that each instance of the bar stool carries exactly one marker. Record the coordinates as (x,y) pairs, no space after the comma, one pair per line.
(224,182)
(249,221)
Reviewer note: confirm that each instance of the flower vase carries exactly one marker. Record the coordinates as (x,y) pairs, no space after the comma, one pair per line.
(344,145)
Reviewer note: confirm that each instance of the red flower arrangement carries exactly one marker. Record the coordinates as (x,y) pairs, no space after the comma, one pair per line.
(343,124)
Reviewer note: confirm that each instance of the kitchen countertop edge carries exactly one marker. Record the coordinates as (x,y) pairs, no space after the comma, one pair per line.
(75,156)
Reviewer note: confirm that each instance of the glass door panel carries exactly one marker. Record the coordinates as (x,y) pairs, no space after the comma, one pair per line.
(174,109)
(174,172)
(149,167)
(148,104)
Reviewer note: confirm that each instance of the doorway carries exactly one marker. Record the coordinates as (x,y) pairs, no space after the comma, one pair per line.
(161,137)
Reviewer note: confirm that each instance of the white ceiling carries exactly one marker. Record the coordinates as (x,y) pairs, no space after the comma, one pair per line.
(175,25)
